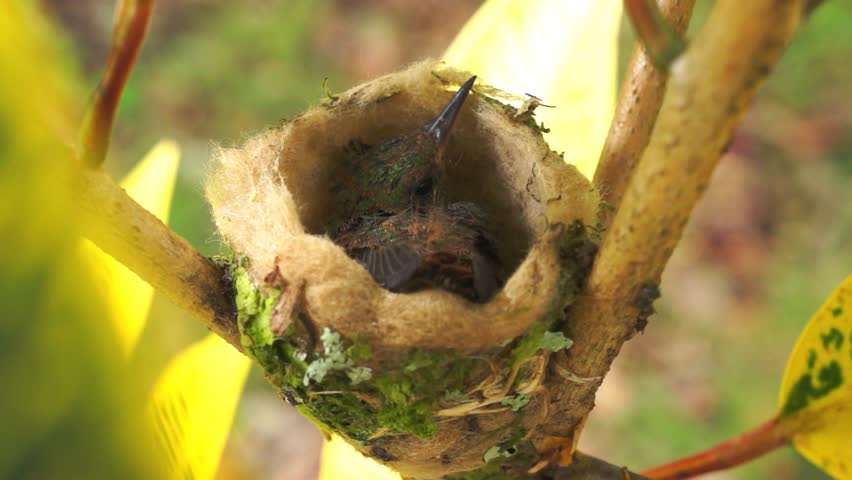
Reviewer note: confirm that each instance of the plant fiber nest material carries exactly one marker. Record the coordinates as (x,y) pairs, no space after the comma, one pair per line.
(270,200)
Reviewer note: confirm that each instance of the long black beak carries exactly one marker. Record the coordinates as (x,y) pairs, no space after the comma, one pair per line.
(439,128)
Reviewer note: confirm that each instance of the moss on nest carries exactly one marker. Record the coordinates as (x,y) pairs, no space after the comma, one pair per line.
(333,382)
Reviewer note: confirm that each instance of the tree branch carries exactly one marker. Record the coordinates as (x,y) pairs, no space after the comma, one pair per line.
(711,86)
(123,228)
(135,237)
(638,105)
(661,41)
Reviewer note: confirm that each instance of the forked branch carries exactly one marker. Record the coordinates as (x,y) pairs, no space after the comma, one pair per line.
(635,115)
(710,87)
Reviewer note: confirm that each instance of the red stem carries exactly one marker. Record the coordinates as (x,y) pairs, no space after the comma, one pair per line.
(132,19)
(740,449)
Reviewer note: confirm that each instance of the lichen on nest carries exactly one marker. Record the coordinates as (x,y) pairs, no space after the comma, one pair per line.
(405,377)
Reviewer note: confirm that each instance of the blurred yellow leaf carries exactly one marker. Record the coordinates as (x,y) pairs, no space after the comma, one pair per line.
(151,183)
(340,460)
(816,392)
(564,52)
(193,406)
(68,409)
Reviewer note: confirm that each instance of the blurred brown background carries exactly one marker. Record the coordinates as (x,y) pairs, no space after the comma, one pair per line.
(770,240)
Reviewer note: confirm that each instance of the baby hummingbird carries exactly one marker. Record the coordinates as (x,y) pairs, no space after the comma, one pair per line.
(397,222)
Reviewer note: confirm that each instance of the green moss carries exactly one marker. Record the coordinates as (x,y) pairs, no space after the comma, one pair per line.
(330,386)
(330,383)
(415,390)
(359,350)
(254,309)
(528,344)
(334,358)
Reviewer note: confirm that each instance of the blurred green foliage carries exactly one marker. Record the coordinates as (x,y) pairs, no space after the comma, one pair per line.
(817,63)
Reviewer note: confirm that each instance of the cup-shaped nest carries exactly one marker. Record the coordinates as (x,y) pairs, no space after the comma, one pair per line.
(428,382)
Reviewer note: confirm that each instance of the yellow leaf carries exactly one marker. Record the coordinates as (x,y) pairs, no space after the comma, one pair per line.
(151,183)
(193,405)
(340,460)
(816,392)
(67,409)
(564,52)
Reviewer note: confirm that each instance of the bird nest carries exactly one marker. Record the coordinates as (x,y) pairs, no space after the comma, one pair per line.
(427,382)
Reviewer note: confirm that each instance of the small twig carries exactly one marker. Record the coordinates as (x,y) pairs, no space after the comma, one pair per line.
(740,449)
(662,42)
(638,105)
(132,19)
(135,237)
(711,86)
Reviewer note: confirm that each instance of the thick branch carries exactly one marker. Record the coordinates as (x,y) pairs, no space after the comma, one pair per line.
(135,237)
(132,19)
(711,86)
(638,104)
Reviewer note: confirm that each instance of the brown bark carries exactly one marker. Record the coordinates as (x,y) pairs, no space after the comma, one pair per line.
(710,87)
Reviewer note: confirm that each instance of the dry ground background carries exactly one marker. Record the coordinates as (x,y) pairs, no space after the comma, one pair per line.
(769,241)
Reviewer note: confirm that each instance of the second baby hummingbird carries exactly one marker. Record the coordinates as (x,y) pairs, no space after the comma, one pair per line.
(395,219)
